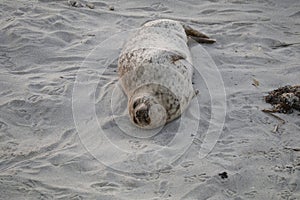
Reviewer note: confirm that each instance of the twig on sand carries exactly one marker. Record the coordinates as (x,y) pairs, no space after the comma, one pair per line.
(275,128)
(283,44)
(271,112)
(292,148)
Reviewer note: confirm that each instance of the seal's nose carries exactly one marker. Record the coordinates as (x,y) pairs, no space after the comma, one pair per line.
(141,113)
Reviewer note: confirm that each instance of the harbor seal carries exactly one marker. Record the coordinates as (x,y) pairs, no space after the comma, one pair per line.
(155,71)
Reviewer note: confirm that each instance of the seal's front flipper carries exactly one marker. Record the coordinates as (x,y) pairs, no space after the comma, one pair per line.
(196,35)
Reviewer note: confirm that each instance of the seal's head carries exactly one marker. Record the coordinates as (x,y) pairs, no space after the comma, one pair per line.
(146,112)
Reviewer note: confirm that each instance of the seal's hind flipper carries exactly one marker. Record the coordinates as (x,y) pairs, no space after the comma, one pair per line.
(196,35)
(203,40)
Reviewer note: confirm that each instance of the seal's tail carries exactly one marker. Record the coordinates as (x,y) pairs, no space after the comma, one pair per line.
(198,36)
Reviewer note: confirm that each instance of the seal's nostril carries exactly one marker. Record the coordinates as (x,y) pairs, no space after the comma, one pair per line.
(141,113)
(142,116)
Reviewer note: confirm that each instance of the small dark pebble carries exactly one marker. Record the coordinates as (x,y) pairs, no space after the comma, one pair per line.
(223,175)
(75,3)
(111,8)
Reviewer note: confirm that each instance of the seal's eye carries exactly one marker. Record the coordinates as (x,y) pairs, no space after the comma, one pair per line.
(135,104)
(135,121)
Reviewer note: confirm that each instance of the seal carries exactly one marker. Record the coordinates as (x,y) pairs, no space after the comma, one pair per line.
(155,71)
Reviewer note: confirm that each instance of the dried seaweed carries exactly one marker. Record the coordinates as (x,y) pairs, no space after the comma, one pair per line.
(284,99)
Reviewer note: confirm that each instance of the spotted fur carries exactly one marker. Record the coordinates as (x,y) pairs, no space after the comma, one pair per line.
(155,70)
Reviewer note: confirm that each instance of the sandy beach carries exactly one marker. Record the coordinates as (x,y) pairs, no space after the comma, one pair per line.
(58,57)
